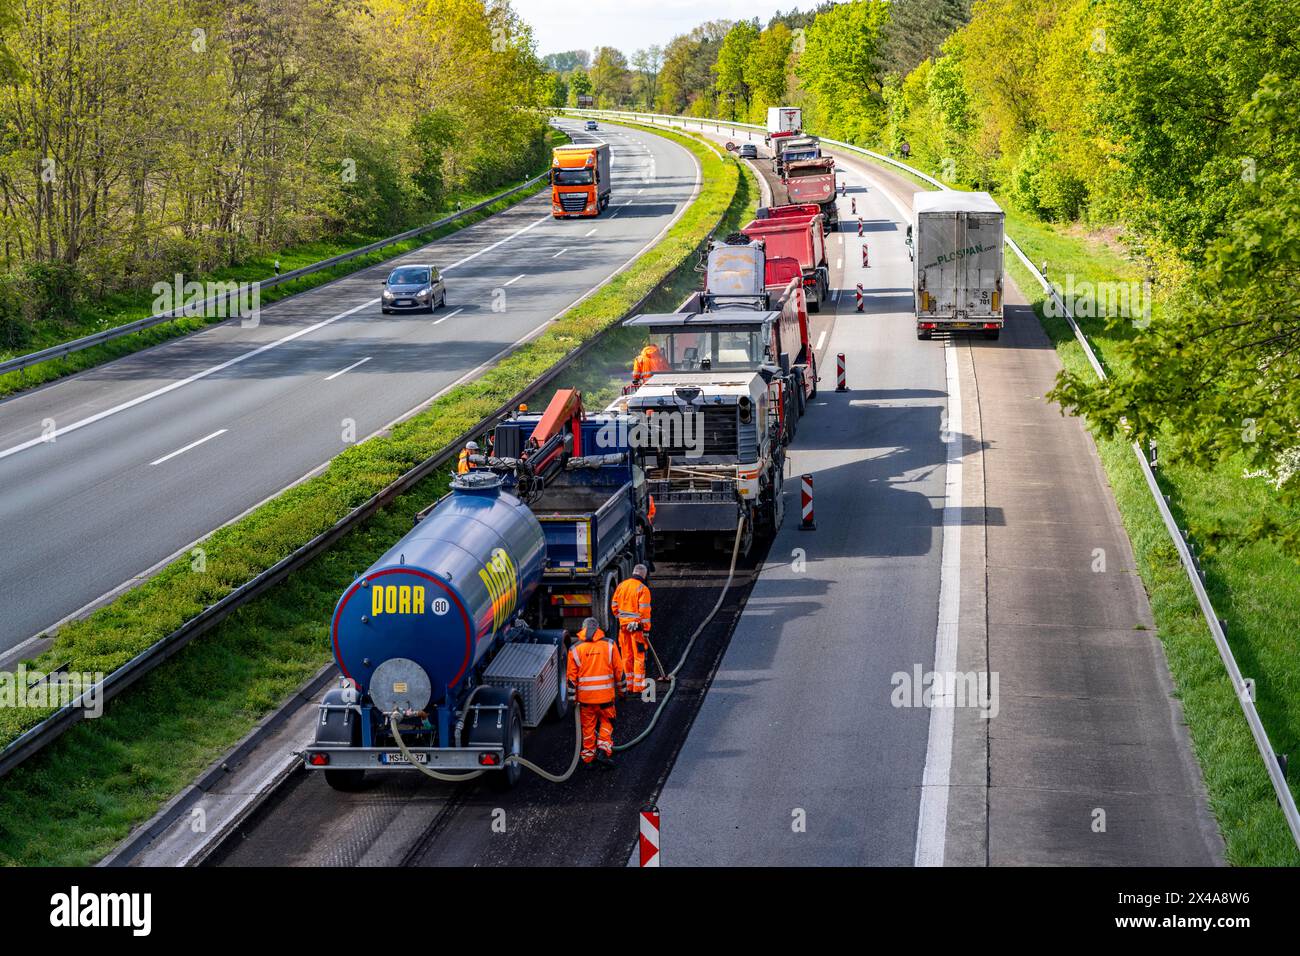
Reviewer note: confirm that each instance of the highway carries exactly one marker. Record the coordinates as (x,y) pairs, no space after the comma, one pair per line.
(111,472)
(958,522)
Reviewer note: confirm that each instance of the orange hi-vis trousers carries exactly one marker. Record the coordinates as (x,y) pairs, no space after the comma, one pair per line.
(597,730)
(631,648)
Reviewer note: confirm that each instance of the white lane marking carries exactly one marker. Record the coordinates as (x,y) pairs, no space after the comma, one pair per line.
(839,263)
(180,383)
(449,315)
(193,444)
(560,253)
(516,278)
(591,233)
(821,339)
(932,824)
(499,242)
(342,371)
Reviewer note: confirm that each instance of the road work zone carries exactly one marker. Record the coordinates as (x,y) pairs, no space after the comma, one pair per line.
(820,741)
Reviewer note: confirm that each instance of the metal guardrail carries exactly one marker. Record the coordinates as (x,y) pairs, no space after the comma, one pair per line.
(139,325)
(1272,764)
(51,728)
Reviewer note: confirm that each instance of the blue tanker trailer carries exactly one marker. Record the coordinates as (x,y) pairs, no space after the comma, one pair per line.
(454,628)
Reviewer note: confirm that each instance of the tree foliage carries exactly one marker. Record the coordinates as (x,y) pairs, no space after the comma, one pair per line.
(142,139)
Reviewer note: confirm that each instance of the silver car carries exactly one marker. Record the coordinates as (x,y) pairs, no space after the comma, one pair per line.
(748,151)
(413,289)
(590,125)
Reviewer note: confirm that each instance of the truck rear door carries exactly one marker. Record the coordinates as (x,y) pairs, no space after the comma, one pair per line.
(980,266)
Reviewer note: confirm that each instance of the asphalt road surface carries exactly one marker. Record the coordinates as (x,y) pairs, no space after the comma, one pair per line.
(155,450)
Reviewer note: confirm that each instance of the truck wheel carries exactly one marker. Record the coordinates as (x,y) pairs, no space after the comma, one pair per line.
(509,736)
(799,394)
(605,614)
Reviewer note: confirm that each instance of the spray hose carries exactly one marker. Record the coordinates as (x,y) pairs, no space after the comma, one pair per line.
(577,725)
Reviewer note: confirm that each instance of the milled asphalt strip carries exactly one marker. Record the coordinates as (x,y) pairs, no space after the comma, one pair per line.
(193,444)
(181,383)
(932,824)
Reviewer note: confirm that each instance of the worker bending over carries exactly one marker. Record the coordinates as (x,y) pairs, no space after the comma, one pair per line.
(595,678)
(648,361)
(631,605)
(464,465)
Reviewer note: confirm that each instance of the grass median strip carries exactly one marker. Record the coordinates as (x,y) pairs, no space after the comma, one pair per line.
(74,801)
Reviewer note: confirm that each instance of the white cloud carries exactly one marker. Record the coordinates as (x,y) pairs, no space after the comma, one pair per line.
(630,25)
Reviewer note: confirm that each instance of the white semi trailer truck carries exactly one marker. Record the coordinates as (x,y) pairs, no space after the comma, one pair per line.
(956,240)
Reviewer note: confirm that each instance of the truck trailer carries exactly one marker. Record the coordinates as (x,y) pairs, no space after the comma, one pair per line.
(580,180)
(956,240)
(458,631)
(783,121)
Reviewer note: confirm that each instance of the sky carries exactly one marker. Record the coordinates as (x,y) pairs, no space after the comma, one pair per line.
(631,25)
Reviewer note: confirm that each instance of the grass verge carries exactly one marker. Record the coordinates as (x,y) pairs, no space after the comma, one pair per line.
(120,309)
(74,801)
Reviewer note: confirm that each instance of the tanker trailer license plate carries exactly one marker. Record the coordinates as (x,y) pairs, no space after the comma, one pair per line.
(400,757)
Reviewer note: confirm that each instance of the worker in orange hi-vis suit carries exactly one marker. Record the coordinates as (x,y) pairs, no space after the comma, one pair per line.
(595,678)
(631,605)
(463,464)
(648,361)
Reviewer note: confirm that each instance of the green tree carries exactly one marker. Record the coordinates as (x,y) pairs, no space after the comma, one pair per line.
(609,77)
(768,63)
(838,70)
(732,82)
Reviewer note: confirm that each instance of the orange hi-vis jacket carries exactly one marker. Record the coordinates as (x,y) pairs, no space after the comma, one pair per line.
(631,602)
(595,672)
(648,361)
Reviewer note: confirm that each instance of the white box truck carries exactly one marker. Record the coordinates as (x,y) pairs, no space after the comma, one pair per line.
(956,240)
(783,121)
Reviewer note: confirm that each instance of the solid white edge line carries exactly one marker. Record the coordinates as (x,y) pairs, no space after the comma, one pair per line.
(193,444)
(344,371)
(449,315)
(932,821)
(180,383)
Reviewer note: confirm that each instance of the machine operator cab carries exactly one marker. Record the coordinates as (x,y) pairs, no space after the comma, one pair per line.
(714,341)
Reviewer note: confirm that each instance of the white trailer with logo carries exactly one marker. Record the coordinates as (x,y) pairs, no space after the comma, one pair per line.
(956,240)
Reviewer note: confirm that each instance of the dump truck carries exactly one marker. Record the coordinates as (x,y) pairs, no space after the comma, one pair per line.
(458,631)
(740,374)
(956,239)
(812,180)
(580,180)
(805,147)
(797,232)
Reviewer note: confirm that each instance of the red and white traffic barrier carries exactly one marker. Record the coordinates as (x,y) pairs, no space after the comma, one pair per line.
(854,205)
(866,262)
(806,522)
(649,836)
(860,226)
(858,293)
(840,384)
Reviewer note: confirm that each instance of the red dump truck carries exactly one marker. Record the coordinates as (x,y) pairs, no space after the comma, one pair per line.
(813,181)
(797,232)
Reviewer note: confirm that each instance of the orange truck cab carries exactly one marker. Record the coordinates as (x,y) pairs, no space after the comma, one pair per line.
(580,180)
